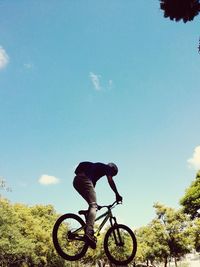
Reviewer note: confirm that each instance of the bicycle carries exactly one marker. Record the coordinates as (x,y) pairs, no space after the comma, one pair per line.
(120,244)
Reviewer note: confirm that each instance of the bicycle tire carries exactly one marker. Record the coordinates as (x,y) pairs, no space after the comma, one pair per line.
(65,246)
(116,253)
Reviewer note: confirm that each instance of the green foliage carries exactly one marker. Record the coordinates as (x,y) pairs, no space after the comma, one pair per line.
(152,245)
(175,225)
(196,234)
(191,200)
(26,235)
(165,237)
(194,231)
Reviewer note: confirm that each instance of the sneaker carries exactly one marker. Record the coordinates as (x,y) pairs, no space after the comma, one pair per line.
(91,239)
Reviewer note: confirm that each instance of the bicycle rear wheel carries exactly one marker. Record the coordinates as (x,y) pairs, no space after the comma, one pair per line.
(120,244)
(68,237)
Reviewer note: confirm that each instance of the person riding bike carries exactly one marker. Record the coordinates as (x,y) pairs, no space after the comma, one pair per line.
(87,175)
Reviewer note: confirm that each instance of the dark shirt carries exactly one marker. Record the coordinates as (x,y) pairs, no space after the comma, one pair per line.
(94,171)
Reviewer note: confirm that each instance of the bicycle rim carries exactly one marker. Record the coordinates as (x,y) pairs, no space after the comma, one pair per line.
(120,244)
(69,245)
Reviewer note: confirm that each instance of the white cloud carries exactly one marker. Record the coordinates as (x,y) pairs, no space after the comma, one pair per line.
(95,79)
(4,59)
(47,180)
(194,162)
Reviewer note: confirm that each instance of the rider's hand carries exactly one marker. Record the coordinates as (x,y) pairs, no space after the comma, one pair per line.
(118,198)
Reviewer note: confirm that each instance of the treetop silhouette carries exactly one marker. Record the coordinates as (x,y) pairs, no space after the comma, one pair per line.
(178,10)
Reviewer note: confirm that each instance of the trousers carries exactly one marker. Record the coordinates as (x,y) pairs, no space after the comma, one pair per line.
(85,188)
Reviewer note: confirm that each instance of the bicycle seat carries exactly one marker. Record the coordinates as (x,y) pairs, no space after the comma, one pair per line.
(83,212)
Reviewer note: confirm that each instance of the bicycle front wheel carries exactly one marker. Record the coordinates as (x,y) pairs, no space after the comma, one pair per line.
(120,244)
(68,237)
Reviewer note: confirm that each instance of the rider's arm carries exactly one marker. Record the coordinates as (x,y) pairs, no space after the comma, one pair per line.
(114,188)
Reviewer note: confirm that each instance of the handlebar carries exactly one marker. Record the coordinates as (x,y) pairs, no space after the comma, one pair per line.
(115,203)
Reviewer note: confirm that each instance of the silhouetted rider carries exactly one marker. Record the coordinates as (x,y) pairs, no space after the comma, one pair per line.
(87,174)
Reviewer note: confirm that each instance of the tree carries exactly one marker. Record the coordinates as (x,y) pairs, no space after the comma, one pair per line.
(176,225)
(196,234)
(14,247)
(26,235)
(191,200)
(152,246)
(180,9)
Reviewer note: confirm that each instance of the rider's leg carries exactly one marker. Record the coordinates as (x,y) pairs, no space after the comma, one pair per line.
(91,217)
(86,189)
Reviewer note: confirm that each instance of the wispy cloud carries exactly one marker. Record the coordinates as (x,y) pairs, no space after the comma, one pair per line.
(48,180)
(95,79)
(194,162)
(4,58)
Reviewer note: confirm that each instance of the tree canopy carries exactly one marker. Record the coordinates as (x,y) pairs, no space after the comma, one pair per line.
(26,235)
(178,10)
(191,199)
(165,237)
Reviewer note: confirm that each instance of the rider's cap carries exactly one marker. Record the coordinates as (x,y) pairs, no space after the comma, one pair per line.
(114,168)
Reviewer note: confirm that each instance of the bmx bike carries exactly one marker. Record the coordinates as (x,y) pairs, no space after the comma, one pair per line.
(120,244)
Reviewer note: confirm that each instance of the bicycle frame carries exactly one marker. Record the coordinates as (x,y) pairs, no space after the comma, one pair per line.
(108,216)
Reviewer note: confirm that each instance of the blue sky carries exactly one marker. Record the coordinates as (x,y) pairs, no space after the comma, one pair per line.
(108,81)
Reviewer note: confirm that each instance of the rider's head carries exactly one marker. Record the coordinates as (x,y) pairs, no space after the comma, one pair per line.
(114,168)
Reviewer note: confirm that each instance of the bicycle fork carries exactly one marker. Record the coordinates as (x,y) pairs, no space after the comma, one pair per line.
(116,232)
